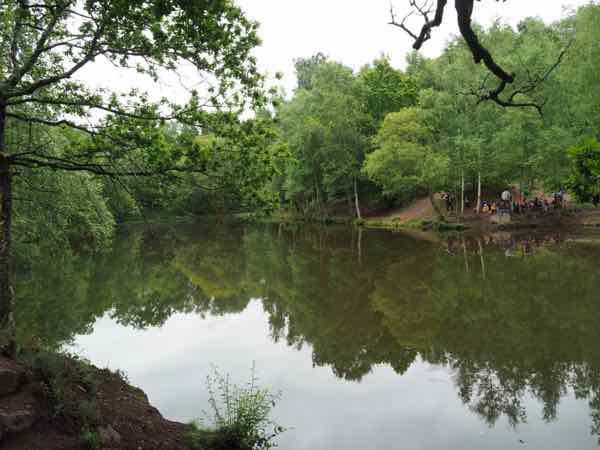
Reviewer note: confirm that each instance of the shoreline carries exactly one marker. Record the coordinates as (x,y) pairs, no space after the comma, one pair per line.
(57,402)
(574,218)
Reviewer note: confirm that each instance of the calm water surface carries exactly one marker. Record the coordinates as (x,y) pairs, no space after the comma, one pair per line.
(377,340)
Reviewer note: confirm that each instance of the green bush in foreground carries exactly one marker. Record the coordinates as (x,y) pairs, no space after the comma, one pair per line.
(240,417)
(91,440)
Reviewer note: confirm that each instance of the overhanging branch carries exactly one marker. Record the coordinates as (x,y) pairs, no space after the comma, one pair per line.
(525,88)
(464,9)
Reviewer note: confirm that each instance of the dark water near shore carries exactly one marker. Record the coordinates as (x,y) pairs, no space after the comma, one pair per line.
(377,340)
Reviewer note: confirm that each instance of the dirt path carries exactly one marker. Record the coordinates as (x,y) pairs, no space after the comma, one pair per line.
(420,209)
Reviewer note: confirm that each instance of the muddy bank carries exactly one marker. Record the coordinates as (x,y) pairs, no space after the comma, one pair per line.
(82,407)
(568,218)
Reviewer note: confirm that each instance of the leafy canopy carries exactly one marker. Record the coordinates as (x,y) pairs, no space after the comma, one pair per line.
(584,180)
(45,45)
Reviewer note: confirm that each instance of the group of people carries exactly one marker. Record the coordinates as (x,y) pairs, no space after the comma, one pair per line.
(448,199)
(539,204)
(488,207)
(506,203)
(523,206)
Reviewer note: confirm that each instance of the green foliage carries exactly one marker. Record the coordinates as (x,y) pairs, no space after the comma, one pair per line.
(325,130)
(584,181)
(503,146)
(92,440)
(305,69)
(57,210)
(403,162)
(240,417)
(121,201)
(336,130)
(52,119)
(149,38)
(386,90)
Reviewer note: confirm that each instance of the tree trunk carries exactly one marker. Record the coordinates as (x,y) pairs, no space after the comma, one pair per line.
(462,195)
(356,202)
(5,219)
(436,209)
(478,192)
(6,328)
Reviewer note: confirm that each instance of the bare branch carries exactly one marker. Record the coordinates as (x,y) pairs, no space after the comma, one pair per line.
(51,123)
(464,9)
(532,83)
(14,46)
(57,163)
(424,10)
(91,53)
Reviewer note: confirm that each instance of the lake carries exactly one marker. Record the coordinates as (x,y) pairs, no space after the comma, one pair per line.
(376,340)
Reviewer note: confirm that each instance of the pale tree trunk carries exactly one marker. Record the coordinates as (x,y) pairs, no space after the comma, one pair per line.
(436,208)
(462,195)
(478,192)
(356,202)
(6,326)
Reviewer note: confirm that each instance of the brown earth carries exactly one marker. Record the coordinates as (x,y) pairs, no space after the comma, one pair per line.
(420,209)
(122,418)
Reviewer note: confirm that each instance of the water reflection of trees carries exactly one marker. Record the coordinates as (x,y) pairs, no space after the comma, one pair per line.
(507,323)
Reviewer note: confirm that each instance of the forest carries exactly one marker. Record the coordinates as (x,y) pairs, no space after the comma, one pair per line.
(344,142)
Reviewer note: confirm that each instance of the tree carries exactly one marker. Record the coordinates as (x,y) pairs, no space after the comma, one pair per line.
(44,45)
(305,69)
(500,146)
(518,96)
(325,127)
(584,180)
(386,90)
(403,163)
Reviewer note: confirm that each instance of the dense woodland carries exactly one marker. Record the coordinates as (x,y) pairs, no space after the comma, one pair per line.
(343,142)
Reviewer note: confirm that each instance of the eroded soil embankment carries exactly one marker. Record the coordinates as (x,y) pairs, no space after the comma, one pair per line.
(93,408)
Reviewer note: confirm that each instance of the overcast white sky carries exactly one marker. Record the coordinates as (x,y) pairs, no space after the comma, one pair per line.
(355,32)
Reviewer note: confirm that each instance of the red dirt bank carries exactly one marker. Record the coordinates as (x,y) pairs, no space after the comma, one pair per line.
(122,418)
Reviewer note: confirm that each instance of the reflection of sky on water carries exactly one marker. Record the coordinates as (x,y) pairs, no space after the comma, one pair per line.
(418,410)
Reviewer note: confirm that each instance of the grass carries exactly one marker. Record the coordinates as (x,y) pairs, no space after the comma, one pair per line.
(412,224)
(239,417)
(288,217)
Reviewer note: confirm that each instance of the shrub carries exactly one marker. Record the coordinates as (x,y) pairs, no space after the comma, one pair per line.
(239,418)
(91,440)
